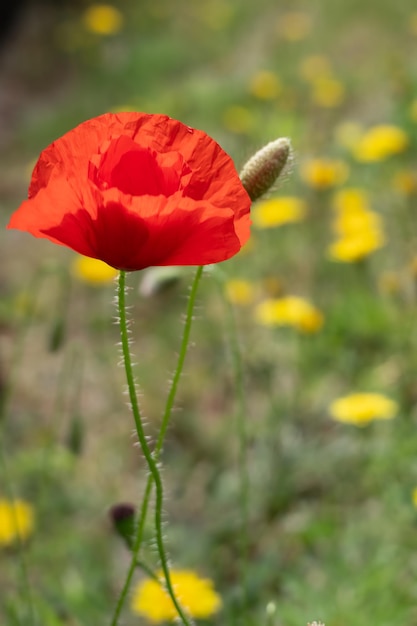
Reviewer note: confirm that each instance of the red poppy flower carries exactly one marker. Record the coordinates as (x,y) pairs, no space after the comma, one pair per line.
(135,190)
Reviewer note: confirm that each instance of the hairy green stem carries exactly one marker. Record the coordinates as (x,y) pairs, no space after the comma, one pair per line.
(152,458)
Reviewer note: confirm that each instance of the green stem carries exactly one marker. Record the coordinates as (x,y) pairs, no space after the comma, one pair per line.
(151,458)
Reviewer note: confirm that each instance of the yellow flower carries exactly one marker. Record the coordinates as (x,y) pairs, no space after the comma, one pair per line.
(289,311)
(278,211)
(196,595)
(414,496)
(327,92)
(380,142)
(241,292)
(238,119)
(359,229)
(265,85)
(92,271)
(357,223)
(324,173)
(362,408)
(294,25)
(16,519)
(351,199)
(357,246)
(102,19)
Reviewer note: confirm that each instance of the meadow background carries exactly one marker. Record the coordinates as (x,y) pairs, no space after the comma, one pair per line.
(332,506)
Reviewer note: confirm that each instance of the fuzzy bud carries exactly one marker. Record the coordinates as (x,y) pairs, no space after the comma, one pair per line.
(264,167)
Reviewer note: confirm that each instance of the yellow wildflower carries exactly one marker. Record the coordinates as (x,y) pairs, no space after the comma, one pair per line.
(196,595)
(360,230)
(327,92)
(357,223)
(356,247)
(361,408)
(278,211)
(324,173)
(238,119)
(92,271)
(351,199)
(265,85)
(289,311)
(240,292)
(294,25)
(414,496)
(102,19)
(380,142)
(16,520)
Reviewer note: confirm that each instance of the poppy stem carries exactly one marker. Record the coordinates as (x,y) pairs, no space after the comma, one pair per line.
(151,460)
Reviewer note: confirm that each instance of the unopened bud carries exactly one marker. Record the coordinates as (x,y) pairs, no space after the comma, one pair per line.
(123,518)
(264,167)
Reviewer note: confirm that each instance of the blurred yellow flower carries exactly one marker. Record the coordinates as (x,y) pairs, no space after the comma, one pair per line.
(361,408)
(324,173)
(289,311)
(327,92)
(92,271)
(314,67)
(357,223)
(196,595)
(240,292)
(380,142)
(356,247)
(16,520)
(265,85)
(238,119)
(278,211)
(351,200)
(294,25)
(360,230)
(414,496)
(102,19)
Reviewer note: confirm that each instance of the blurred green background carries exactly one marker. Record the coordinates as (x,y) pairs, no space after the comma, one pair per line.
(333,518)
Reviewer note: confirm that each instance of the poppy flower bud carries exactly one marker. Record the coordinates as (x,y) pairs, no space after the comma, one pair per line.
(123,518)
(264,167)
